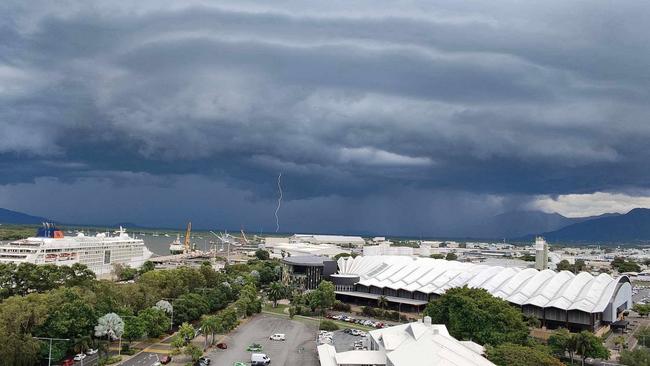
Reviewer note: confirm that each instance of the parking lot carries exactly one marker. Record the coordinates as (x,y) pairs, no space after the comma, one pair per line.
(345,342)
(299,349)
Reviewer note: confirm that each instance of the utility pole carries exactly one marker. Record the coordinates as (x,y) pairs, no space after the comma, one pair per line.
(49,357)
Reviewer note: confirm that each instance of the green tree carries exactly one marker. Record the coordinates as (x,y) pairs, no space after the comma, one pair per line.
(588,345)
(155,321)
(328,325)
(276,292)
(437,256)
(18,318)
(641,309)
(123,272)
(564,265)
(147,266)
(474,314)
(186,332)
(134,329)
(451,256)
(262,254)
(209,325)
(193,351)
(508,354)
(189,307)
(623,265)
(382,302)
(561,342)
(323,297)
(638,357)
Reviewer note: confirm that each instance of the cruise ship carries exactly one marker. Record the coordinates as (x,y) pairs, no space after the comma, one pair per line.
(99,252)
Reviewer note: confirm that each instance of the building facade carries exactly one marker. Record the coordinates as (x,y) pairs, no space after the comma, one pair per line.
(557,299)
(306,272)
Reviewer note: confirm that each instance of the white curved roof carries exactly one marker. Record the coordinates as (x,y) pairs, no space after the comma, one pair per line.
(521,286)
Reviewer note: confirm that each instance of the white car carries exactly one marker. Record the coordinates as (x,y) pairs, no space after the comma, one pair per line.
(277,337)
(79,356)
(91,351)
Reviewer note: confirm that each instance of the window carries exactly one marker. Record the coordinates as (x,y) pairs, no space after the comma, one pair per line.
(107,257)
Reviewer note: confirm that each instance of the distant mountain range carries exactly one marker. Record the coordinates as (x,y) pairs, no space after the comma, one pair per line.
(517,224)
(632,227)
(19,218)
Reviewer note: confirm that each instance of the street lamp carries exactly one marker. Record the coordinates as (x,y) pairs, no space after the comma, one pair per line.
(49,357)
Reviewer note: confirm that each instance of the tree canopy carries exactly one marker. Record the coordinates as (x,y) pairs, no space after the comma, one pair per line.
(507,354)
(474,314)
(623,265)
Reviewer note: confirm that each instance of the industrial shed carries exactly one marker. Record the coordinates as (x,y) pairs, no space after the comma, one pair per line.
(557,299)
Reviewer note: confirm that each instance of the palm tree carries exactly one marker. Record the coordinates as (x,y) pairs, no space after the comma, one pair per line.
(382,301)
(208,325)
(276,292)
(81,344)
(111,326)
(582,344)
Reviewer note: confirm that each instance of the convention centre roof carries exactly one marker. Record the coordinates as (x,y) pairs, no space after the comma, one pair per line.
(522,286)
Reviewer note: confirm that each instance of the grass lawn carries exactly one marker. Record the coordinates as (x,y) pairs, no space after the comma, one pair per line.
(280,309)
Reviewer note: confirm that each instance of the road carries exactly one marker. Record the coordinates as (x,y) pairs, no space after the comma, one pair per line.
(90,360)
(150,354)
(298,350)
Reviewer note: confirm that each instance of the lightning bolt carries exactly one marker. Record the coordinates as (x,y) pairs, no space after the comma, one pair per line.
(277,220)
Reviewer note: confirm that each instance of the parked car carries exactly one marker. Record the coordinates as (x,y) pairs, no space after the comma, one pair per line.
(222,346)
(165,359)
(68,362)
(260,359)
(79,356)
(205,360)
(277,337)
(91,351)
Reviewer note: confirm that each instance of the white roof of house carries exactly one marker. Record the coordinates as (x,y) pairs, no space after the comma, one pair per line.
(522,286)
(429,345)
(407,345)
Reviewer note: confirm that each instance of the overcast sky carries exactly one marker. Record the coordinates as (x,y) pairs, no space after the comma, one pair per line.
(387,117)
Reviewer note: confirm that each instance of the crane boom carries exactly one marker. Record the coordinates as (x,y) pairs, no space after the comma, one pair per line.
(186,243)
(244,236)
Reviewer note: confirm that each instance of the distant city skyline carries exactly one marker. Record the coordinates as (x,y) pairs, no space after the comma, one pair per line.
(405,117)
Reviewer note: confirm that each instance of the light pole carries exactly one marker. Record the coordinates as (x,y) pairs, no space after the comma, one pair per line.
(49,357)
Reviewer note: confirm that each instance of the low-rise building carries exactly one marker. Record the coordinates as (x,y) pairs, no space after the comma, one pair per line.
(419,343)
(306,272)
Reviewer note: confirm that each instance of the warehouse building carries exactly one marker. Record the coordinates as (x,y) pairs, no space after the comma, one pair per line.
(557,299)
(341,240)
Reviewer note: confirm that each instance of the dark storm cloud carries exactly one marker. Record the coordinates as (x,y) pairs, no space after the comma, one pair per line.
(359,101)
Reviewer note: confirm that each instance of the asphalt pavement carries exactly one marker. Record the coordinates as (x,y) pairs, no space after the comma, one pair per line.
(299,349)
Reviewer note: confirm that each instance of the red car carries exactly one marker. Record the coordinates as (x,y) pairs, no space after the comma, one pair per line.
(222,346)
(165,360)
(68,362)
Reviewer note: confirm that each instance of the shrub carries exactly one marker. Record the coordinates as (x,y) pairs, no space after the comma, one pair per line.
(110,361)
(341,306)
(328,325)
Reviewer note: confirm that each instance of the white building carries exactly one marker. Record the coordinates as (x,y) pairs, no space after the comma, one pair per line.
(343,240)
(420,343)
(558,299)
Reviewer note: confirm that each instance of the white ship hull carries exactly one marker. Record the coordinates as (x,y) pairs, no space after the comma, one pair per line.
(99,253)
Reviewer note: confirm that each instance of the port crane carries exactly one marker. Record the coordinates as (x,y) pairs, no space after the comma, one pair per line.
(186,243)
